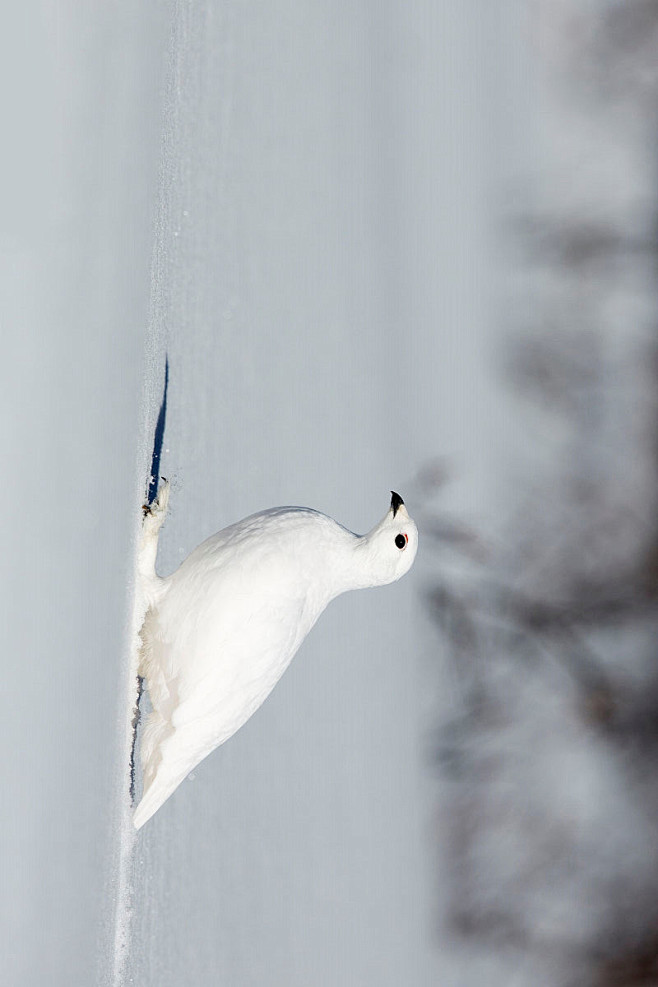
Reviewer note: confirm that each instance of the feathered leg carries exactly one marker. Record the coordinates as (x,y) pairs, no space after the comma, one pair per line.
(154,517)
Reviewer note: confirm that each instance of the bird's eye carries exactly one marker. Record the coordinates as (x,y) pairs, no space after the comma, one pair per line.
(401,541)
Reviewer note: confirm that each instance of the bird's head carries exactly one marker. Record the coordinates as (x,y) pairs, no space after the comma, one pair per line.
(390,548)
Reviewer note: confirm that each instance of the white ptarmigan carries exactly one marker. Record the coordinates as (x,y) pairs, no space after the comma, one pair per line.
(221,630)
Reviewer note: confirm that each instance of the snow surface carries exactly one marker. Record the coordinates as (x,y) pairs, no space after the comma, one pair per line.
(81,90)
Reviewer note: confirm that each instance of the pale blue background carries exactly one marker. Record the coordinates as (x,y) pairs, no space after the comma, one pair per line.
(296,202)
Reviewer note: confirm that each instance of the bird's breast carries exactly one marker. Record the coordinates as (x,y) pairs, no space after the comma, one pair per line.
(227,633)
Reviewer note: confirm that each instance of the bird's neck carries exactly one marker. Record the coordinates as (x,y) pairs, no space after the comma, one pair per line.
(352,566)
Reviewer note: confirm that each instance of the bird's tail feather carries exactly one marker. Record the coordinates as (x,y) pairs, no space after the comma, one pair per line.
(156,732)
(153,798)
(163,773)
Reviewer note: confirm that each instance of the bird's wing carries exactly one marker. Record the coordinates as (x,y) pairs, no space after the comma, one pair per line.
(209,676)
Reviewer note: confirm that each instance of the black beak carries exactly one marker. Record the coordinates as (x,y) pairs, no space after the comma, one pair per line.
(396,502)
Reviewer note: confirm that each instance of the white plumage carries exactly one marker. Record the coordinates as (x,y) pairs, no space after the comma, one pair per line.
(221,630)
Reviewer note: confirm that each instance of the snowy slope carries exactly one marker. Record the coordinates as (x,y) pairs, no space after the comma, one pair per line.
(79,164)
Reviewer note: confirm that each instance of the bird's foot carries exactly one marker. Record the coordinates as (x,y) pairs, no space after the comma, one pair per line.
(156,512)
